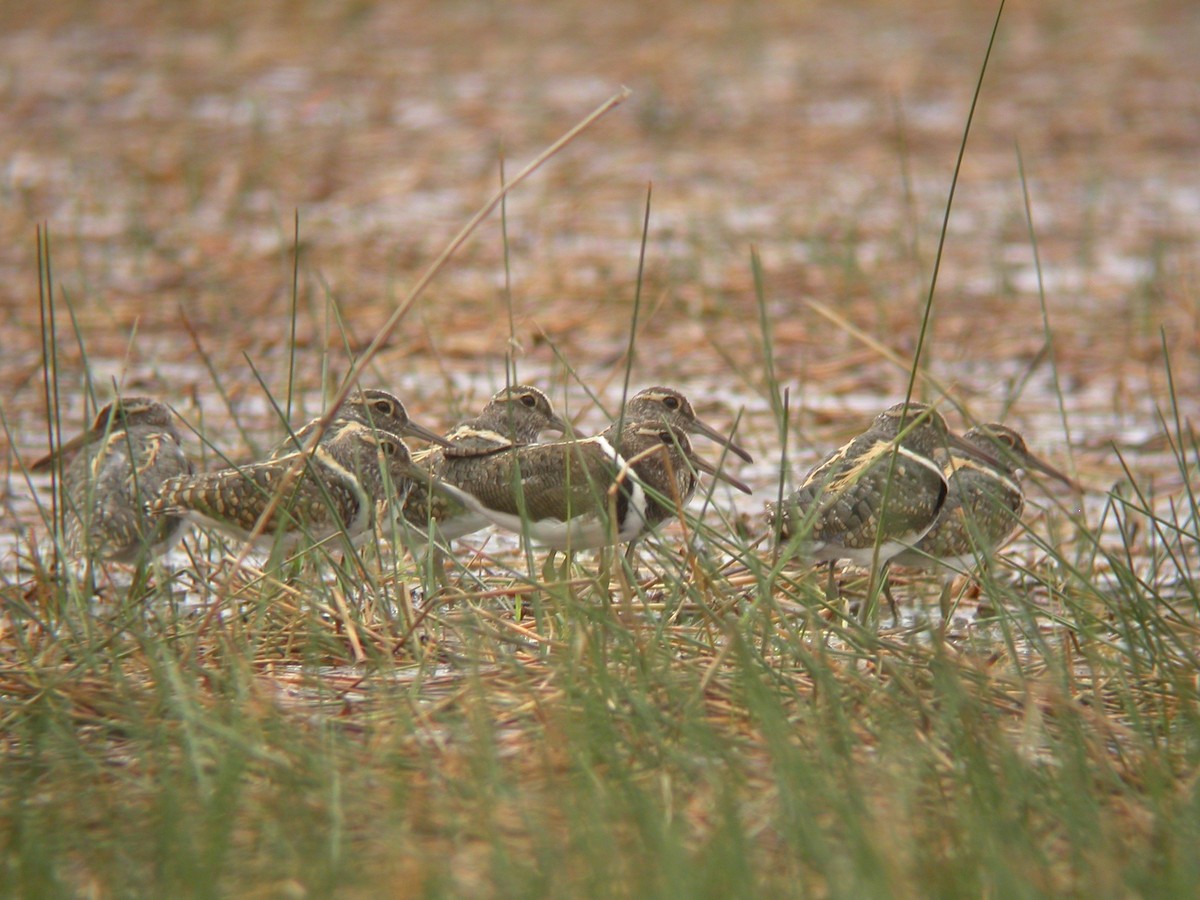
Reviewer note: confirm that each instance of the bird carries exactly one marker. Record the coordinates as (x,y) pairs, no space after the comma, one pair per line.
(130,450)
(984,502)
(584,493)
(372,407)
(661,404)
(515,416)
(336,489)
(874,496)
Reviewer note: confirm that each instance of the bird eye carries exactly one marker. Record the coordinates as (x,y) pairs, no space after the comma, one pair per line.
(529,400)
(384,407)
(671,403)
(387,448)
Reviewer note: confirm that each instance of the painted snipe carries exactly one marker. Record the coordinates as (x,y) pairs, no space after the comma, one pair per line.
(514,417)
(984,502)
(376,408)
(574,495)
(336,490)
(666,405)
(874,496)
(113,468)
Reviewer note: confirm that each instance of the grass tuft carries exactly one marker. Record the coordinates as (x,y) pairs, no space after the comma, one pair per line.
(699,719)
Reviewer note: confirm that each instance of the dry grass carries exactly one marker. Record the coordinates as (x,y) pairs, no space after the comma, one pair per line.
(696,727)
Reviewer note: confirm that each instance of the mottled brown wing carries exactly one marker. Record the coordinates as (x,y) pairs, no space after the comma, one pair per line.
(240,499)
(554,480)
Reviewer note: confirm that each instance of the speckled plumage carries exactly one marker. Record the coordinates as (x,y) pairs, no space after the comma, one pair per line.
(559,492)
(336,490)
(372,407)
(840,506)
(514,417)
(664,405)
(984,502)
(131,448)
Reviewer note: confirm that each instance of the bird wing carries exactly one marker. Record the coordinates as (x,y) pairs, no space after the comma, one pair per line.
(556,481)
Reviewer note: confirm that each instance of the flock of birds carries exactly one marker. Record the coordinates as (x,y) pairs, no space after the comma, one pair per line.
(907,490)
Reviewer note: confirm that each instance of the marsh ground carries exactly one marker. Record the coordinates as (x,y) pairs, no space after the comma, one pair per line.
(168,147)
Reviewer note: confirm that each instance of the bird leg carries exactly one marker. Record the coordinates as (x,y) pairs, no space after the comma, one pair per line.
(878,583)
(887,592)
(832,593)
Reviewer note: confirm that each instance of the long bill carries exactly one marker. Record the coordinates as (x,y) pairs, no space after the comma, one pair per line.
(712,434)
(64,450)
(1032,462)
(425,434)
(700,464)
(965,446)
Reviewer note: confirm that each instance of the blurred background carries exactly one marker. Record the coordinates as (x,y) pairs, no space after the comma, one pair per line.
(168,148)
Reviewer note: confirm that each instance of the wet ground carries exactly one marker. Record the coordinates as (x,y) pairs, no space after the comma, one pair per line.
(168,152)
